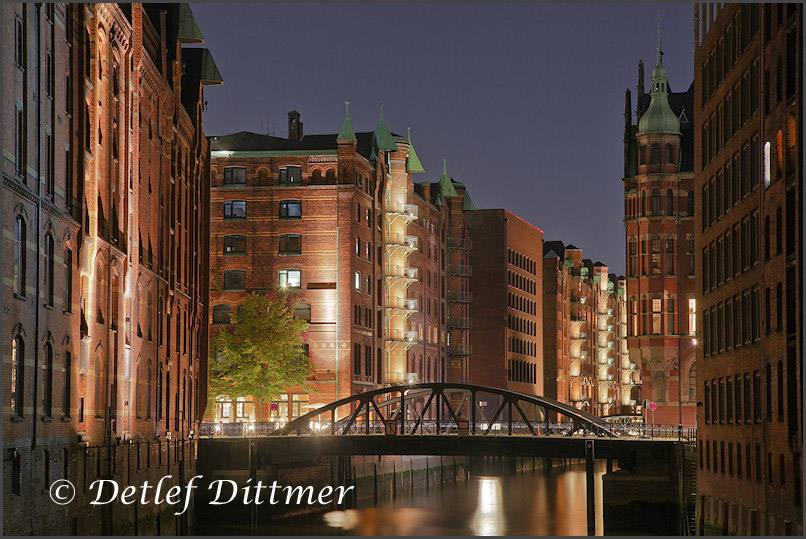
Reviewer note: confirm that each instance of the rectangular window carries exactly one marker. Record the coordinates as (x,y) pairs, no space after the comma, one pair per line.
(290,244)
(729,399)
(737,392)
(290,278)
(20,142)
(357,283)
(235,244)
(290,209)
(235,280)
(235,209)
(747,402)
(234,176)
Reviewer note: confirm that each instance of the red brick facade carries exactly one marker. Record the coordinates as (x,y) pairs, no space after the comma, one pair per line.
(748,234)
(106,300)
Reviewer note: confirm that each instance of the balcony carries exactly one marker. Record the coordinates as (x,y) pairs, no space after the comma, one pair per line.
(460,243)
(400,210)
(402,335)
(460,350)
(460,323)
(401,241)
(401,273)
(460,270)
(407,305)
(460,297)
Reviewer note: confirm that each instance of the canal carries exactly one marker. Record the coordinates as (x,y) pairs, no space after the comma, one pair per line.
(548,501)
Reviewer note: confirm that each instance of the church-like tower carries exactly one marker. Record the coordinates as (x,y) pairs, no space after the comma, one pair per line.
(658,219)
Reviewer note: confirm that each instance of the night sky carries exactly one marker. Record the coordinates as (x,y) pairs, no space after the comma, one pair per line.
(525,101)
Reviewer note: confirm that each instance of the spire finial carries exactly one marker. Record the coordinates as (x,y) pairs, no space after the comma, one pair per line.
(347,107)
(409,131)
(444,166)
(659,45)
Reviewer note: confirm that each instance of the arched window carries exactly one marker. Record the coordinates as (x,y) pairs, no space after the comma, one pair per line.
(642,155)
(655,153)
(138,391)
(47,381)
(148,316)
(49,262)
(669,202)
(780,375)
(669,153)
(316,176)
(17,375)
(222,314)
(100,292)
(19,256)
(768,390)
(302,311)
(655,202)
(643,203)
(692,383)
(330,174)
(149,378)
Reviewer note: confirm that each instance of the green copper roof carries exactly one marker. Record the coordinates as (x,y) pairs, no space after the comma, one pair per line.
(346,134)
(189,31)
(209,71)
(383,138)
(446,187)
(467,204)
(413,164)
(659,117)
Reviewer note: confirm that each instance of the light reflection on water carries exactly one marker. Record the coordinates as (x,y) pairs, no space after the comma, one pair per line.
(548,502)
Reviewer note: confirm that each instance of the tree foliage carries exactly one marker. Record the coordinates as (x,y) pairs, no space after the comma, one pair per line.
(261,352)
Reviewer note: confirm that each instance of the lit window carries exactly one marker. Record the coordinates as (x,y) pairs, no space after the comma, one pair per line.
(358,281)
(766,164)
(290,278)
(692,316)
(290,176)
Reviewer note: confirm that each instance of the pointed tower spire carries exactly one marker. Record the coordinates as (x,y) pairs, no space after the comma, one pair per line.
(413,163)
(659,117)
(383,138)
(346,134)
(446,187)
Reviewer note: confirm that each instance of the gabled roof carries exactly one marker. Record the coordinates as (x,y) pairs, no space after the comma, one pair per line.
(554,246)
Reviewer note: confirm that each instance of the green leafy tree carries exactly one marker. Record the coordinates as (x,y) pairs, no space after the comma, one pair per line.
(260,352)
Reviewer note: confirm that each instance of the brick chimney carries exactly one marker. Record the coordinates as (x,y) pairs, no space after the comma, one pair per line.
(294,126)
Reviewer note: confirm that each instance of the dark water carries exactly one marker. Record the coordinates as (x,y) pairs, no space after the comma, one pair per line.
(546,502)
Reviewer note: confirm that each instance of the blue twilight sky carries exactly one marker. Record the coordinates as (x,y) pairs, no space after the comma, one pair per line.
(525,101)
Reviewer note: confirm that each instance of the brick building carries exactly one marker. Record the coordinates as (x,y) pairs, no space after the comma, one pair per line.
(507,307)
(105,202)
(748,156)
(659,224)
(585,357)
(335,221)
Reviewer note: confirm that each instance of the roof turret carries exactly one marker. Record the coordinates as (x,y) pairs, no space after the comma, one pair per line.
(346,134)
(446,187)
(659,117)
(383,137)
(413,163)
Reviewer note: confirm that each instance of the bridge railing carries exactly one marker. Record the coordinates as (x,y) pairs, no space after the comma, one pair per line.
(443,427)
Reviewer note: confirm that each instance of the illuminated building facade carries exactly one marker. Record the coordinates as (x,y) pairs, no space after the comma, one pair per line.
(749,180)
(659,224)
(336,222)
(105,292)
(585,356)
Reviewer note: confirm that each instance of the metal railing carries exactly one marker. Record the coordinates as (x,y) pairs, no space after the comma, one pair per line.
(480,427)
(461,297)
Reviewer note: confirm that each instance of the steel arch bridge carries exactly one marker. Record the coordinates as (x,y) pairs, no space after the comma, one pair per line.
(388,408)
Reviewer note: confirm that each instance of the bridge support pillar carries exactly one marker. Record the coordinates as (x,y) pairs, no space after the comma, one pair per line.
(589,483)
(609,465)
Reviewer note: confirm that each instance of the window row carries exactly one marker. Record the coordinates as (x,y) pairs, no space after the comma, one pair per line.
(363,249)
(288,176)
(362,283)
(522,261)
(727,52)
(363,215)
(362,316)
(522,346)
(20,267)
(657,256)
(659,204)
(519,281)
(668,154)
(521,325)
(364,364)
(222,313)
(732,323)
(732,253)
(519,303)
(289,209)
(653,316)
(732,183)
(730,115)
(521,371)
